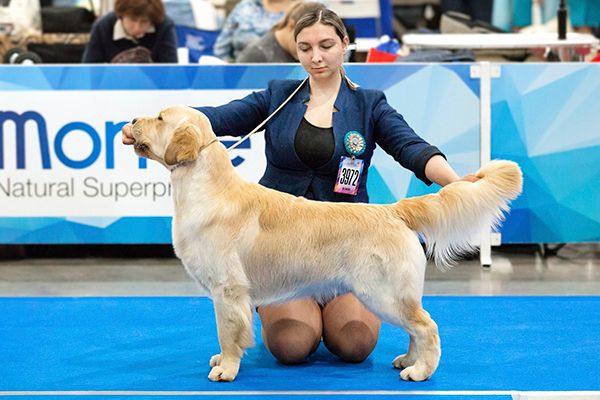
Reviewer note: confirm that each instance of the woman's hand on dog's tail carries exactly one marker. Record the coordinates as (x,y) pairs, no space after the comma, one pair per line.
(470,178)
(127,134)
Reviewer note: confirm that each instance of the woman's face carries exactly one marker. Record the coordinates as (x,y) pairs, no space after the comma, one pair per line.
(135,26)
(320,50)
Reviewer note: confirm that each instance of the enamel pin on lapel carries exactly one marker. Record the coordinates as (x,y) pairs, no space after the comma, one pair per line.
(350,169)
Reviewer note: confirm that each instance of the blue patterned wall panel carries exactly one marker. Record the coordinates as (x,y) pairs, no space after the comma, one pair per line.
(441,103)
(545,117)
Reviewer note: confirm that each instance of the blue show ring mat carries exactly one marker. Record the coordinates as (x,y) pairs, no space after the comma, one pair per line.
(159,347)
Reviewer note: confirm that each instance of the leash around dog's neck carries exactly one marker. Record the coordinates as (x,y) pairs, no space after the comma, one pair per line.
(236,144)
(199,150)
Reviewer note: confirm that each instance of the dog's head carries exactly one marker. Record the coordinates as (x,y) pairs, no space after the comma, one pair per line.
(176,135)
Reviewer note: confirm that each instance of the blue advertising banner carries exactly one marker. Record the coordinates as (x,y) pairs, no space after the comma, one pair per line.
(66,178)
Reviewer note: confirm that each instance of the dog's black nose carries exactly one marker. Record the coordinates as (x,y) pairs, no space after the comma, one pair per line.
(134,121)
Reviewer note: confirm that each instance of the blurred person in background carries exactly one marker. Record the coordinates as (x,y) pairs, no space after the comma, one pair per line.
(249,20)
(136,31)
(585,14)
(279,45)
(477,9)
(513,15)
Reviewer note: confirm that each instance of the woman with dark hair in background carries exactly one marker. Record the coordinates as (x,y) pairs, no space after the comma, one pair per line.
(137,31)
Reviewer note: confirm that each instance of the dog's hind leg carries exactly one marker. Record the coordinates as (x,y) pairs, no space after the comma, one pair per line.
(234,324)
(393,292)
(424,350)
(408,359)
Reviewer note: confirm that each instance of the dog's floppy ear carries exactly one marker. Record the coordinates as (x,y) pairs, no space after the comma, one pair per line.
(184,145)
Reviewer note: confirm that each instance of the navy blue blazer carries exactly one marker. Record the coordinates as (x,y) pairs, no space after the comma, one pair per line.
(362,110)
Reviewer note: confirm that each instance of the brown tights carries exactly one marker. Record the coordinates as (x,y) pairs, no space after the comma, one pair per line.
(293,331)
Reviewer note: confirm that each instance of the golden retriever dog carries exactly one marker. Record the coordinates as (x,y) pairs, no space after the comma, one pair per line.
(247,245)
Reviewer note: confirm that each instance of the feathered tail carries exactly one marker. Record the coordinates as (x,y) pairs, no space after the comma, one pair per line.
(452,218)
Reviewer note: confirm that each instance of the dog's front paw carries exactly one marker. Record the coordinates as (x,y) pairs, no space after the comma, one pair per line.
(218,373)
(403,361)
(215,360)
(413,374)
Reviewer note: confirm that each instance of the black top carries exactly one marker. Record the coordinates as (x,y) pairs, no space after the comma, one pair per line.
(314,145)
(101,48)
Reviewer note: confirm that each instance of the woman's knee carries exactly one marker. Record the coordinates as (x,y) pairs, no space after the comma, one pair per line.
(352,343)
(291,341)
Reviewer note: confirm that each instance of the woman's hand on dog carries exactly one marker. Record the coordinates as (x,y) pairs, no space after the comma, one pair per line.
(127,134)
(470,178)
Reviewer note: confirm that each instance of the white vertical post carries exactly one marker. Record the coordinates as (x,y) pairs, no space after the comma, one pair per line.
(485,71)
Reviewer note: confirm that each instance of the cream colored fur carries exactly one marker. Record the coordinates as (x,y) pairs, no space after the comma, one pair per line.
(247,245)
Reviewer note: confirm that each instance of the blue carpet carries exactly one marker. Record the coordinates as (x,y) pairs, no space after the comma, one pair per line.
(164,344)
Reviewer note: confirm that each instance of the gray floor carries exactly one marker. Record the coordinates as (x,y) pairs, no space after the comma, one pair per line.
(575,270)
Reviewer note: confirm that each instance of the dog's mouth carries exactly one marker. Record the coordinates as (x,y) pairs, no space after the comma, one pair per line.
(141,149)
(137,131)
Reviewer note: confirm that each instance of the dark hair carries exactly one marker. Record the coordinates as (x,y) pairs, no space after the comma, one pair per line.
(324,16)
(154,10)
(296,11)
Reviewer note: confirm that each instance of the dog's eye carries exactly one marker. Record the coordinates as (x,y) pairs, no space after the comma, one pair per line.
(160,117)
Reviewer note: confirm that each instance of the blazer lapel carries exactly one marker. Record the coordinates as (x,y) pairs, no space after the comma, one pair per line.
(292,114)
(343,121)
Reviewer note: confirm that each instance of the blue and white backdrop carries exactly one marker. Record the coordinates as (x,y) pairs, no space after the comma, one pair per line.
(546,117)
(65,177)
